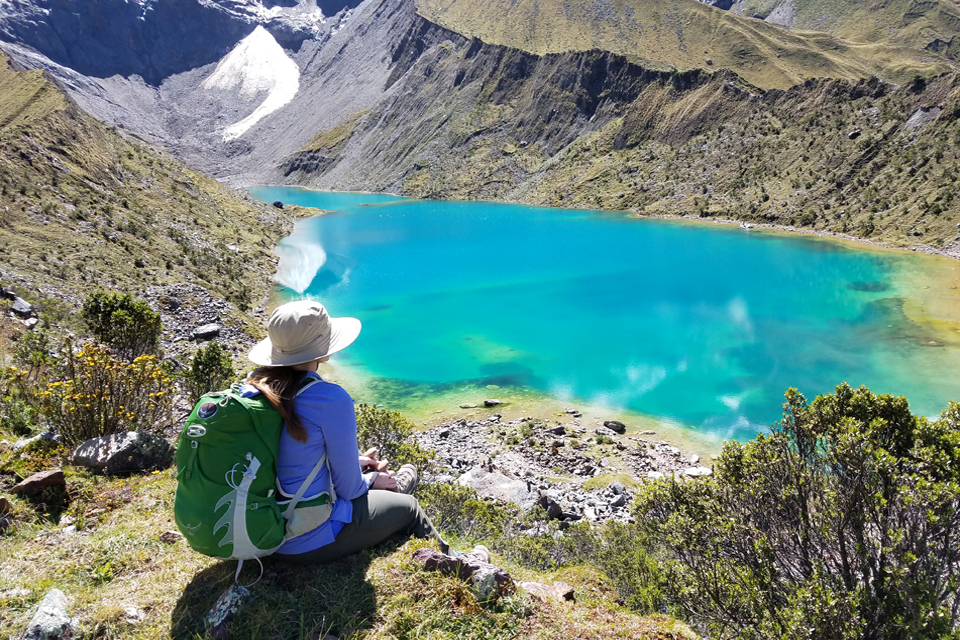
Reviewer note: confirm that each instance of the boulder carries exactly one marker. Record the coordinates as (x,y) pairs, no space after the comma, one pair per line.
(52,620)
(619,501)
(491,402)
(618,487)
(40,481)
(553,509)
(5,506)
(558,430)
(616,426)
(36,443)
(468,405)
(206,332)
(7,294)
(278,204)
(124,452)
(22,308)
(696,472)
(497,486)
(489,581)
(31,323)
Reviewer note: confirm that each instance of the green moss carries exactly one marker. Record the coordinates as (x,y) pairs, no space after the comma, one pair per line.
(605,480)
(333,139)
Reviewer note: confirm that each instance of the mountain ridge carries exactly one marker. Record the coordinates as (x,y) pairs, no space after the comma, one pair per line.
(687,34)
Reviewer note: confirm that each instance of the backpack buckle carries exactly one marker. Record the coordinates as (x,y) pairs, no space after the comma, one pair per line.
(194,444)
(196,431)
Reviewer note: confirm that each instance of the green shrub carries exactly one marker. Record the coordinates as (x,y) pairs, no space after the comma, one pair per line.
(128,326)
(841,523)
(210,370)
(32,351)
(388,432)
(458,510)
(94,393)
(16,414)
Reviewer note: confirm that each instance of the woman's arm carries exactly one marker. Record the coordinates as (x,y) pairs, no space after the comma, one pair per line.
(334,415)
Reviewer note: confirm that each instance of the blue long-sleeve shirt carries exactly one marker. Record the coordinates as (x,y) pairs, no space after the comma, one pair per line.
(327,413)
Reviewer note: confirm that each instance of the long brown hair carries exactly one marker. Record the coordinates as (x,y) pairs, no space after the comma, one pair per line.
(279,385)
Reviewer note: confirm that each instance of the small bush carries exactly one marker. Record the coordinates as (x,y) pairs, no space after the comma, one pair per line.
(19,418)
(458,510)
(128,326)
(94,393)
(388,431)
(839,524)
(32,351)
(210,370)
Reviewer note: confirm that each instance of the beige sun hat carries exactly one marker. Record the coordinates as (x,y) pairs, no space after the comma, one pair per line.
(303,331)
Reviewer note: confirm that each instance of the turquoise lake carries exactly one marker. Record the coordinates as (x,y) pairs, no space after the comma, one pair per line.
(701,326)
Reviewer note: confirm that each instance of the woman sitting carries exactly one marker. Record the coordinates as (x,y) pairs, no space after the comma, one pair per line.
(319,419)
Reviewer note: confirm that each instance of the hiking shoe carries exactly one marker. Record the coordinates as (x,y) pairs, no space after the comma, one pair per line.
(406,479)
(479,553)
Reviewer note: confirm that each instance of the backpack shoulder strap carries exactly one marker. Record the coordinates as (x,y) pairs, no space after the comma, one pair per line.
(309,381)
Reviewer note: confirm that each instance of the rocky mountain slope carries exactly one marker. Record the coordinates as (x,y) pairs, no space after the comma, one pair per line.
(591,129)
(397,96)
(84,206)
(891,40)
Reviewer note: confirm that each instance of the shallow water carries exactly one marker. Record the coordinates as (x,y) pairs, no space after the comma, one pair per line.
(698,326)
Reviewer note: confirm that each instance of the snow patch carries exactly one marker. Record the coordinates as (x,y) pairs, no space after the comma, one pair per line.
(257,65)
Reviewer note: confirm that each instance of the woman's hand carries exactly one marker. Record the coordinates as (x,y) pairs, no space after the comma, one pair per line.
(385,482)
(369,462)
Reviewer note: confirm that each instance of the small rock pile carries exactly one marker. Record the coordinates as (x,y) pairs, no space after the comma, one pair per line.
(191,315)
(21,310)
(529,463)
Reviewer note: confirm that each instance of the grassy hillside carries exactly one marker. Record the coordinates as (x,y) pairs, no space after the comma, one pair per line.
(925,24)
(84,206)
(687,34)
(99,541)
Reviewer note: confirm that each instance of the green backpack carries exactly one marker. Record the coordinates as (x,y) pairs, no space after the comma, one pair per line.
(229,503)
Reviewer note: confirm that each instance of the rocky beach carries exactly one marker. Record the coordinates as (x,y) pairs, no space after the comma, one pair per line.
(572,471)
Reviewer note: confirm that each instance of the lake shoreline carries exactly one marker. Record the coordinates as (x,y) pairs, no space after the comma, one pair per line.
(952,251)
(459,395)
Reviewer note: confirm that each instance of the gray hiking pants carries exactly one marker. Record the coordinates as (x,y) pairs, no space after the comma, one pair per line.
(377,515)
